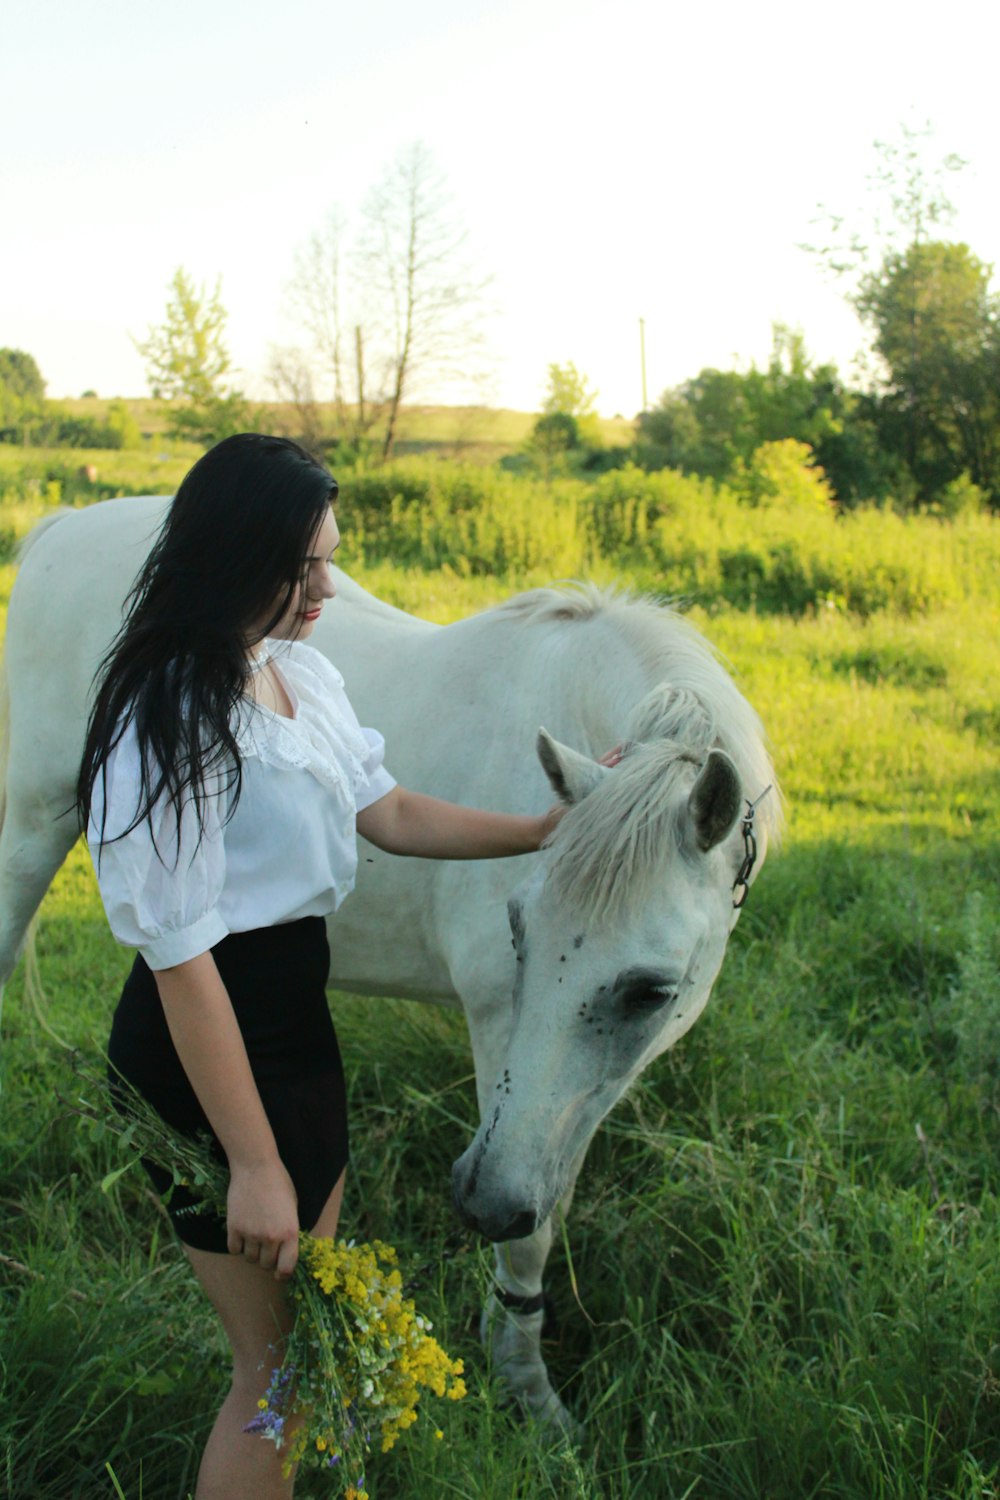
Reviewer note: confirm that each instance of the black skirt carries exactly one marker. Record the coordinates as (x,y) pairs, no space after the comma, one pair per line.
(276,980)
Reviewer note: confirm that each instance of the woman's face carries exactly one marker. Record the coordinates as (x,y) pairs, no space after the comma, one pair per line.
(315,586)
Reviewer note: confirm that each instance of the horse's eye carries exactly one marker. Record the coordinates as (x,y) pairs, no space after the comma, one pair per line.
(650,997)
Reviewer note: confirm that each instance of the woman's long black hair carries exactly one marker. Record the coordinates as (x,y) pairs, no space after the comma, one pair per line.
(231,550)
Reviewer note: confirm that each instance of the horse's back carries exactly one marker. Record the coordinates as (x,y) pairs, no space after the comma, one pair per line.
(65,608)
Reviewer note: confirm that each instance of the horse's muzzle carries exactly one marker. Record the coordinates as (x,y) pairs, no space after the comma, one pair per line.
(495,1219)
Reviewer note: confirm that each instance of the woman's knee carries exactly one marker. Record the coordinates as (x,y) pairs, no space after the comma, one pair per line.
(252,1307)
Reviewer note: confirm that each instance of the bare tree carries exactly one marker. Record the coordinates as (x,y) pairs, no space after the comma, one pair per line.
(906,204)
(291,378)
(416,306)
(315,291)
(413,260)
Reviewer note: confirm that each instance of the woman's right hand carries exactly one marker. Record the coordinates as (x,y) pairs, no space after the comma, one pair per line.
(262,1217)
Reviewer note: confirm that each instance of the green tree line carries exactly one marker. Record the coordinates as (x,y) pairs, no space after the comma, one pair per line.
(926,433)
(920,430)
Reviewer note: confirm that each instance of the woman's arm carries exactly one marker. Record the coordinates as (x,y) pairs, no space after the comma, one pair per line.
(405,822)
(262,1216)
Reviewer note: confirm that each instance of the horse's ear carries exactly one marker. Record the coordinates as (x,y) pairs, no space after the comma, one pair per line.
(716,800)
(572,775)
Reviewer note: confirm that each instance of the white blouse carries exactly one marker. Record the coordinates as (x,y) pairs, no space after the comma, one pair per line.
(289,850)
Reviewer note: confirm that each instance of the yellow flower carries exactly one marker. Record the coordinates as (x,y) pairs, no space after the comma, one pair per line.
(372,1353)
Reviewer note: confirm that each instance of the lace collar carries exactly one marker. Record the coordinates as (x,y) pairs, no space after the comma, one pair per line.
(321,738)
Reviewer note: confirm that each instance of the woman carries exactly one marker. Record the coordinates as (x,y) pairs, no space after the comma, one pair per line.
(223,778)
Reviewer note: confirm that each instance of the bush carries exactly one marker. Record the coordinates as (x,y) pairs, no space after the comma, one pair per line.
(671,534)
(961,497)
(783,473)
(83,432)
(675,535)
(54,427)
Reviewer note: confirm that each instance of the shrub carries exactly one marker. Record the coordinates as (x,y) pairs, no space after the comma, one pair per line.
(961,497)
(783,473)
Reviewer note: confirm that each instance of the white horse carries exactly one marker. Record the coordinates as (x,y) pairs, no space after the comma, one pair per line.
(619,927)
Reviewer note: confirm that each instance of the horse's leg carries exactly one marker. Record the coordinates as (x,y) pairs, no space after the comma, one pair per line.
(512,1334)
(511,1325)
(34,841)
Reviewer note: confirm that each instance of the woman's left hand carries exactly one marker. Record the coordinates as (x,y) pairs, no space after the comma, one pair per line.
(550,820)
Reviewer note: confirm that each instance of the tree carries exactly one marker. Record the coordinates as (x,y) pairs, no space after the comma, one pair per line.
(936,328)
(714,423)
(568,391)
(423,296)
(22,391)
(783,473)
(555,436)
(398,305)
(187,362)
(292,381)
(934,361)
(907,204)
(316,294)
(705,425)
(569,394)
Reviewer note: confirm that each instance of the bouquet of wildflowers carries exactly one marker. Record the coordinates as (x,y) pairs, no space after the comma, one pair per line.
(356,1361)
(359,1355)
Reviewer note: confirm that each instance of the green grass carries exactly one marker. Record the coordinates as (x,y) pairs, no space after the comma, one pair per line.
(785,1240)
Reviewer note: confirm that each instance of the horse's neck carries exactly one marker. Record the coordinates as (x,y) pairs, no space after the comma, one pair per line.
(582,678)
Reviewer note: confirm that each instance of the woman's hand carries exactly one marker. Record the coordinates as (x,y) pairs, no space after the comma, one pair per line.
(262,1217)
(263,1224)
(405,822)
(550,820)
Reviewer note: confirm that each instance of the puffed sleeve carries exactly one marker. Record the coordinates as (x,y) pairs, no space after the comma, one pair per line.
(377,780)
(160,893)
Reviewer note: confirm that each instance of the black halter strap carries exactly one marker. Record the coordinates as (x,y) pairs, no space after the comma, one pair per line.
(514,1303)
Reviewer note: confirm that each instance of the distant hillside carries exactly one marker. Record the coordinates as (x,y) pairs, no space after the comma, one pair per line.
(479,433)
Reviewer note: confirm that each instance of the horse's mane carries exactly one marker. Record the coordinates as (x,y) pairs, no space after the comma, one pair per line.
(611,845)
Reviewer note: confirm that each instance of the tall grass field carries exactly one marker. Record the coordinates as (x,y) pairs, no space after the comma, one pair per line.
(781,1276)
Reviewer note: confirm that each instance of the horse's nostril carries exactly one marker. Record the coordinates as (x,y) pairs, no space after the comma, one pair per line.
(493,1223)
(519,1227)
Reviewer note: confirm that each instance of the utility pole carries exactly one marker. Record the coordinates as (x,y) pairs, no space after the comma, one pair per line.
(642,356)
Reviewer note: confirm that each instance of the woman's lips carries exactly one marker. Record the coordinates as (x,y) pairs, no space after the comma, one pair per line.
(312,614)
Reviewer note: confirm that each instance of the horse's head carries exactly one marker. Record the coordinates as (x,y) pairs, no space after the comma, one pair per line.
(619,934)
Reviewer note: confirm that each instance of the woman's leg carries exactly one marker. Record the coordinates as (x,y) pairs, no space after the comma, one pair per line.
(255,1315)
(326,1225)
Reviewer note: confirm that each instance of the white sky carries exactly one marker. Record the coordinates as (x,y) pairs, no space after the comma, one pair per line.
(611,161)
